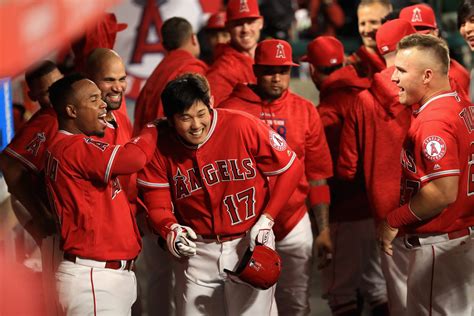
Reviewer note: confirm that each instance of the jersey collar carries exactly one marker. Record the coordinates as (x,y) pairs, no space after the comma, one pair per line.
(444,95)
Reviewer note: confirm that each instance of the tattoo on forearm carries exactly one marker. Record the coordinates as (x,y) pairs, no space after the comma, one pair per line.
(321,213)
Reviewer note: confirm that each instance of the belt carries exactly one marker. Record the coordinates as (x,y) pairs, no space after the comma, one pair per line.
(419,240)
(224,238)
(109,264)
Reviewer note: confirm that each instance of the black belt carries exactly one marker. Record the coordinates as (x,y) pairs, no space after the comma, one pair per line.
(109,264)
(416,241)
(223,238)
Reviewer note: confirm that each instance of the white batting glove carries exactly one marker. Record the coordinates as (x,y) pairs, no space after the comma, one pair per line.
(179,241)
(261,232)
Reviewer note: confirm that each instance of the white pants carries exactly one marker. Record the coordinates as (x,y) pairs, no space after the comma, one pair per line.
(355,266)
(158,274)
(395,270)
(441,277)
(296,252)
(51,258)
(84,290)
(203,288)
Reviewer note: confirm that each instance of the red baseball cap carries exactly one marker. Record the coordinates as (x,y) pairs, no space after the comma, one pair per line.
(242,9)
(273,52)
(390,33)
(324,51)
(216,21)
(419,15)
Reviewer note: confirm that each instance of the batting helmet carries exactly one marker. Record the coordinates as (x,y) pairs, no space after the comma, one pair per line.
(260,268)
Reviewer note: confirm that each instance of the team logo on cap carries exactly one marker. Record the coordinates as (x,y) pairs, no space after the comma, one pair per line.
(277,141)
(280,51)
(333,61)
(384,48)
(244,7)
(416,17)
(434,148)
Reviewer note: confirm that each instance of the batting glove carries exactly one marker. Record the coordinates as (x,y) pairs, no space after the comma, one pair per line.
(179,241)
(261,232)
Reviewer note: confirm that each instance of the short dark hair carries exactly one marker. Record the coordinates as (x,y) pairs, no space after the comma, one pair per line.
(175,32)
(61,92)
(435,45)
(181,93)
(38,71)
(465,10)
(329,69)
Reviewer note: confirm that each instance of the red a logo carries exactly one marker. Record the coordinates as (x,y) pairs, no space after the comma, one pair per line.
(416,17)
(35,144)
(101,145)
(244,6)
(280,51)
(150,18)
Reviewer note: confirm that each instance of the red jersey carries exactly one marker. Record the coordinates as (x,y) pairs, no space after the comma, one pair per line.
(460,75)
(440,143)
(298,122)
(366,63)
(338,93)
(372,137)
(30,143)
(230,68)
(220,187)
(148,106)
(96,219)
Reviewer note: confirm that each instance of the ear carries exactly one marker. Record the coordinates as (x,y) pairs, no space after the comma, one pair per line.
(32,96)
(260,23)
(427,75)
(71,111)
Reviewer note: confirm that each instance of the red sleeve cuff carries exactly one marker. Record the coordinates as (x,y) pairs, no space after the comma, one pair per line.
(319,195)
(402,216)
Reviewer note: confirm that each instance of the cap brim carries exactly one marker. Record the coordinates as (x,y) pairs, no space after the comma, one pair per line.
(121,26)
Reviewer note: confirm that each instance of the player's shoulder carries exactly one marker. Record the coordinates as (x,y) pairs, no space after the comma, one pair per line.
(233,117)
(444,109)
(45,119)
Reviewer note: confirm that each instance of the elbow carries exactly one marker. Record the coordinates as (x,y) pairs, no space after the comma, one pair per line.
(448,196)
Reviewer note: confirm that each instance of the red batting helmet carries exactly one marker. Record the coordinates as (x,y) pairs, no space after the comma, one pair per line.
(260,268)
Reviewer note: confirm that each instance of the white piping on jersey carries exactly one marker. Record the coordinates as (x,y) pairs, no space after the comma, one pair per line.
(440,173)
(288,165)
(152,184)
(65,132)
(23,159)
(109,165)
(444,95)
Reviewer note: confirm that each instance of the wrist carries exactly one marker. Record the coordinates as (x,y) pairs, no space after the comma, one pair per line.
(402,216)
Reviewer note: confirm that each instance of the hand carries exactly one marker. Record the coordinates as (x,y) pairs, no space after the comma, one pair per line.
(385,235)
(179,241)
(261,232)
(324,247)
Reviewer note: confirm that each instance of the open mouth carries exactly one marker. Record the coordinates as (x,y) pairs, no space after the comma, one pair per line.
(198,133)
(114,97)
(102,119)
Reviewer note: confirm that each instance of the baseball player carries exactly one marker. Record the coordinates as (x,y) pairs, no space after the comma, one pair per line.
(95,276)
(183,49)
(234,64)
(352,229)
(216,34)
(371,140)
(436,198)
(297,121)
(466,28)
(207,194)
(366,59)
(22,164)
(423,19)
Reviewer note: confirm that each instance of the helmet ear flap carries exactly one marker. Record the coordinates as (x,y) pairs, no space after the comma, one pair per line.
(260,268)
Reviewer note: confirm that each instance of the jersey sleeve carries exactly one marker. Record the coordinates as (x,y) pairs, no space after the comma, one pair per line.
(92,158)
(272,154)
(348,147)
(29,145)
(154,185)
(436,151)
(318,163)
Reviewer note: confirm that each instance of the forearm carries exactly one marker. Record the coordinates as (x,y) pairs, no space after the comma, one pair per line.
(319,197)
(431,200)
(159,209)
(134,155)
(284,186)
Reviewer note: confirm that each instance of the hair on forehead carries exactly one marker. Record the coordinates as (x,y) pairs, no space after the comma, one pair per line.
(61,93)
(38,71)
(465,11)
(385,3)
(183,92)
(433,45)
